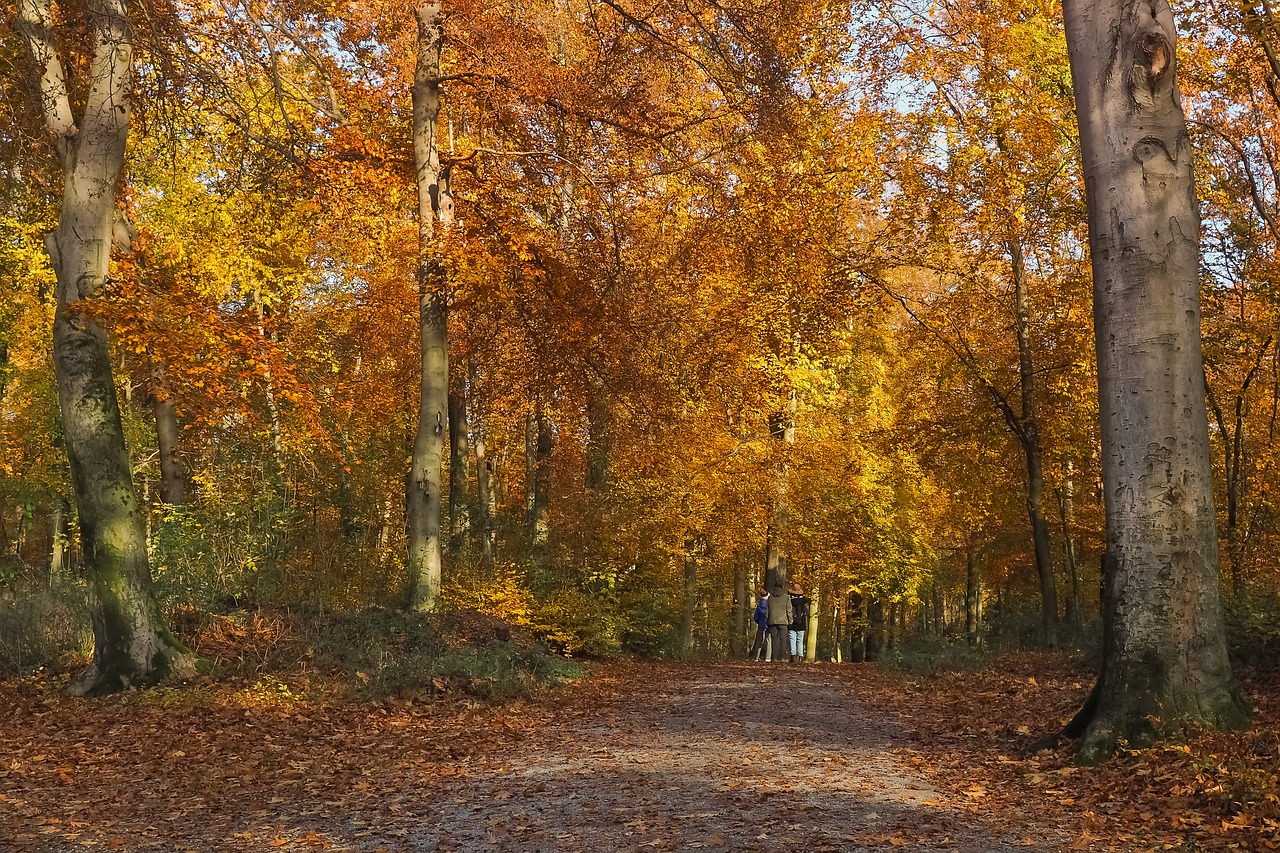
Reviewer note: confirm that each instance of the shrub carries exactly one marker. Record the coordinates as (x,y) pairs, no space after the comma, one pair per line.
(43,625)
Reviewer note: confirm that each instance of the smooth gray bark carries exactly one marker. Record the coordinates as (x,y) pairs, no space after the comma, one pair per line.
(435,215)
(484,484)
(132,644)
(1164,646)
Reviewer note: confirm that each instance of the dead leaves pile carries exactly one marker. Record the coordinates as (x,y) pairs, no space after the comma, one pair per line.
(977,733)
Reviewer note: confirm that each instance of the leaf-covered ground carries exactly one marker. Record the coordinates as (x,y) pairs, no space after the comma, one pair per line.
(635,757)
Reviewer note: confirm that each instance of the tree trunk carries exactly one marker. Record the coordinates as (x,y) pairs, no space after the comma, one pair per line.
(435,207)
(542,490)
(811,628)
(972,598)
(876,640)
(738,636)
(171,479)
(484,494)
(59,564)
(690,598)
(132,645)
(599,429)
(459,467)
(1164,646)
(856,630)
(1066,498)
(530,469)
(1029,434)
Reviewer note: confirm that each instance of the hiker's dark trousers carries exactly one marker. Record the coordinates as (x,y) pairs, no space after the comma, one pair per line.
(778,637)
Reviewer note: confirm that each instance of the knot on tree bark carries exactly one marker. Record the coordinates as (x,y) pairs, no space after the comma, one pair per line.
(1151,72)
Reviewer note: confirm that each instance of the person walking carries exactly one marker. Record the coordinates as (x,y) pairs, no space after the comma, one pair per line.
(760,648)
(799,621)
(780,615)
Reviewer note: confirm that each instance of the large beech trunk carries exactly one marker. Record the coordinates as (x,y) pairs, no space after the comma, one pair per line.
(435,208)
(1164,648)
(132,645)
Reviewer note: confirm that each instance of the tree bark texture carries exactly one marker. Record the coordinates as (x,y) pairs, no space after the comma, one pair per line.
(172,482)
(1164,646)
(435,214)
(459,466)
(132,645)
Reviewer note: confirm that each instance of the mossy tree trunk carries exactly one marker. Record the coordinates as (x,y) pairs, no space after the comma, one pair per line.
(132,644)
(1164,646)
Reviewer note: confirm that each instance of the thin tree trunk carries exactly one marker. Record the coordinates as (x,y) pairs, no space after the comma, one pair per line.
(690,598)
(738,636)
(459,467)
(972,597)
(172,491)
(542,490)
(1029,434)
(435,208)
(132,645)
(484,486)
(877,638)
(1066,511)
(59,564)
(599,430)
(1164,645)
(811,628)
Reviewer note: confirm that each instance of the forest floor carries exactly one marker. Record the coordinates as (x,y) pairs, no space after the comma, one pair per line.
(634,757)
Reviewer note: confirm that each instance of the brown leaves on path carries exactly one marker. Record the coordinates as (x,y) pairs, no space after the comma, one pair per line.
(639,757)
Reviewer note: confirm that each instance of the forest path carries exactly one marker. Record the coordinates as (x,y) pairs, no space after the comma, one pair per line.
(787,758)
(732,757)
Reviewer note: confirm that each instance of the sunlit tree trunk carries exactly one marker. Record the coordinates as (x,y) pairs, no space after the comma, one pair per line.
(435,214)
(1164,646)
(132,645)
(1066,512)
(59,562)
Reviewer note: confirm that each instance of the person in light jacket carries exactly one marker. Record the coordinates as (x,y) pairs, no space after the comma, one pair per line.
(780,616)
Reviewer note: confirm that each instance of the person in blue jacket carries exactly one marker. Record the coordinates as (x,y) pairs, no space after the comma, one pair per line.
(761,646)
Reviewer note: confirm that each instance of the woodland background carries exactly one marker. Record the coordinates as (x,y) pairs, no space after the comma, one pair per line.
(818,278)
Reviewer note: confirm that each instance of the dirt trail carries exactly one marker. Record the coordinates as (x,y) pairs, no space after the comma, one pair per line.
(638,757)
(745,757)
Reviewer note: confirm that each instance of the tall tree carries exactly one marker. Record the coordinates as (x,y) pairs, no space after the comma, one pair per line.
(1164,645)
(435,215)
(132,644)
